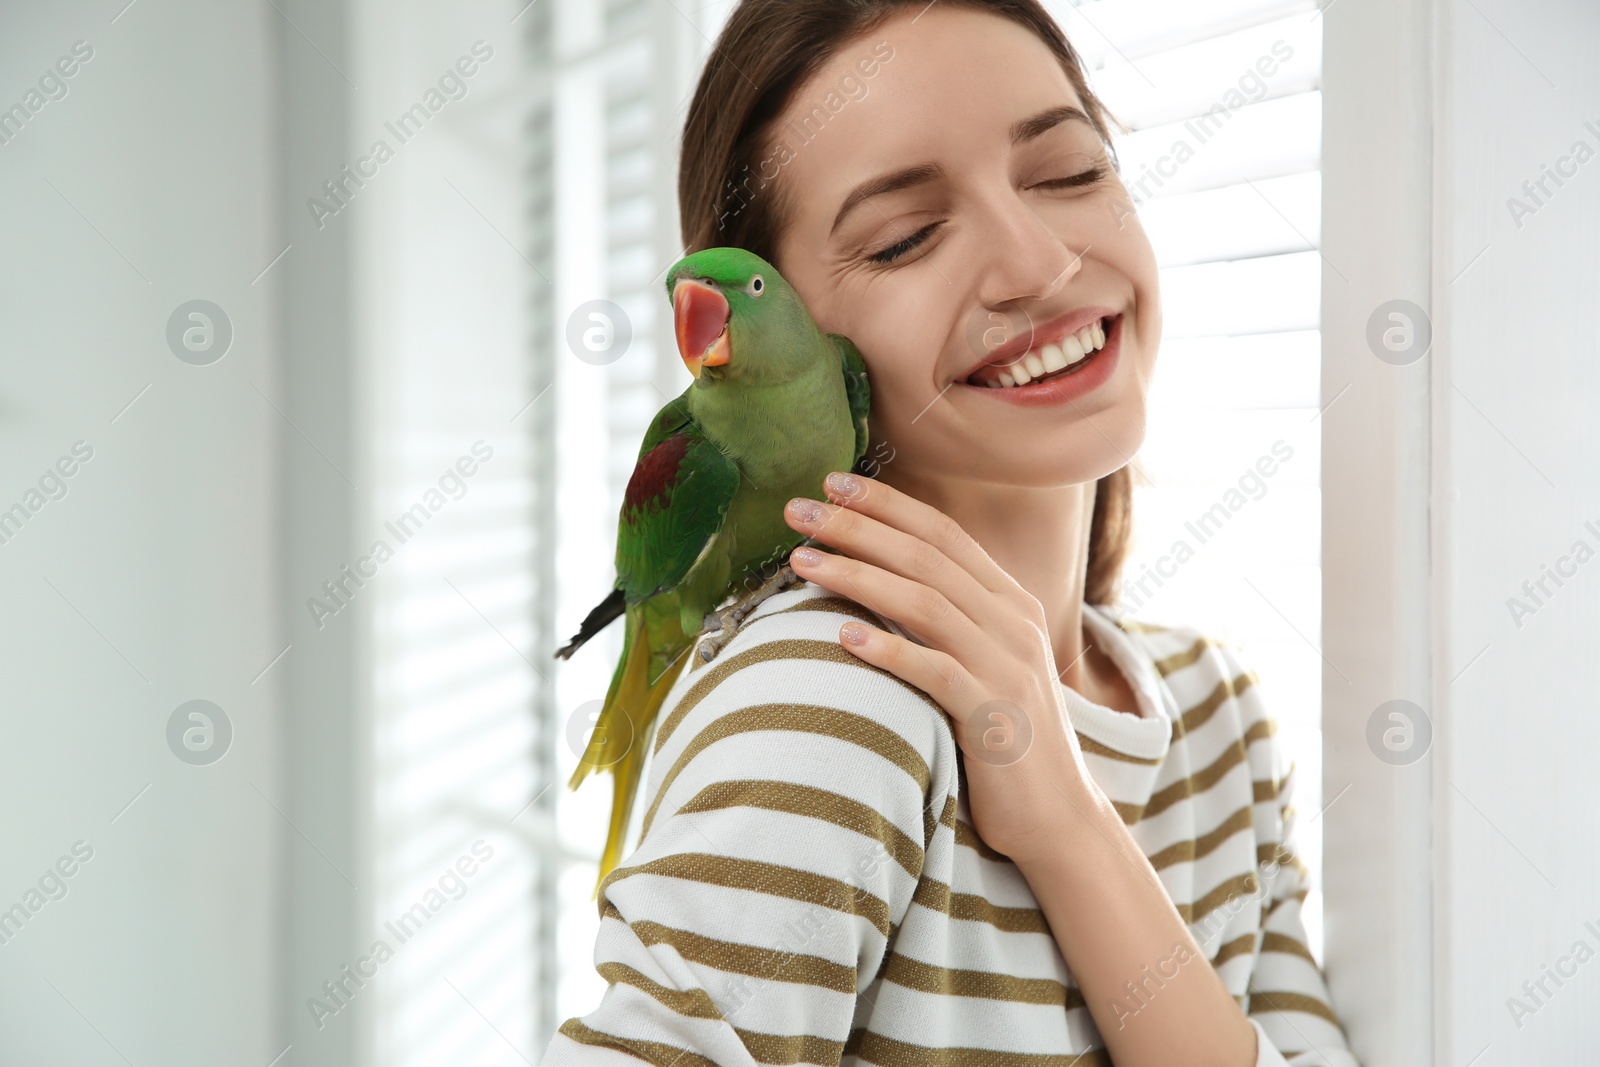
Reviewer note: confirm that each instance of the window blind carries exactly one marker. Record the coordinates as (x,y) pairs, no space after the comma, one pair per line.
(1223,103)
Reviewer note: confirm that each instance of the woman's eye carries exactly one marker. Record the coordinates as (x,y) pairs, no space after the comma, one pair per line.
(895,251)
(1088,177)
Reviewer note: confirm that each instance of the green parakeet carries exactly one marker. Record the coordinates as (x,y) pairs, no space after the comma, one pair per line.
(774,406)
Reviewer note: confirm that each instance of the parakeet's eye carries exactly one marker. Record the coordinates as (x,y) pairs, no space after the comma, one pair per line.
(756,286)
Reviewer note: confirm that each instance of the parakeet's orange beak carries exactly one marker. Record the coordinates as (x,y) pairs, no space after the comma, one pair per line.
(700,313)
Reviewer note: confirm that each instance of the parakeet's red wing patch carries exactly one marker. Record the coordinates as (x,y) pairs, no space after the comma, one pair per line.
(676,499)
(656,473)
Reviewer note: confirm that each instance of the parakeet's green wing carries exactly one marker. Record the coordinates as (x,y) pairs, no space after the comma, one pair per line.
(674,505)
(855,387)
(673,416)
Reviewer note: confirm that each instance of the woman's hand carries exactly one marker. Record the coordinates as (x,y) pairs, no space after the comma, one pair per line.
(985,654)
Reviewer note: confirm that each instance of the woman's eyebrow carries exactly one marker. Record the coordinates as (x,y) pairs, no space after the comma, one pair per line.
(917,174)
(921,173)
(1029,128)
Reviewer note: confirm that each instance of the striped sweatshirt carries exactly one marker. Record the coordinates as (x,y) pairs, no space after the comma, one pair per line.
(809,888)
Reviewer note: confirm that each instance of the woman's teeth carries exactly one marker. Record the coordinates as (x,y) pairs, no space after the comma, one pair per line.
(1042,361)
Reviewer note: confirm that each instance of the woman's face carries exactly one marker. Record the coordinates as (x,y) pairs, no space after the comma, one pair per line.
(1014,228)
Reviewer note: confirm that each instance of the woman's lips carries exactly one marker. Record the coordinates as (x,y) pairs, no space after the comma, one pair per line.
(1044,358)
(1075,381)
(1032,337)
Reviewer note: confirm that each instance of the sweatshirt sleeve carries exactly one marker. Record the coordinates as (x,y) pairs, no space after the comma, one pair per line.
(784,837)
(1289,1003)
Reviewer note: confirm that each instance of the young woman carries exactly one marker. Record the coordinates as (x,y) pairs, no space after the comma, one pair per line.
(935,802)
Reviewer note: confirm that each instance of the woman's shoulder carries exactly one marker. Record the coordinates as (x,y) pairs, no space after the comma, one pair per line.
(784,658)
(783,701)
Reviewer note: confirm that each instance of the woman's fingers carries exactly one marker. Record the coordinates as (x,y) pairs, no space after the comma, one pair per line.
(881,501)
(939,675)
(895,551)
(926,612)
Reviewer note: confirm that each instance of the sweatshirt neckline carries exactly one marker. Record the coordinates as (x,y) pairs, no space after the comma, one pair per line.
(1147,735)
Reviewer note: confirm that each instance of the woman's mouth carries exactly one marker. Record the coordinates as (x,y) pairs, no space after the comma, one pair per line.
(1046,362)
(1079,364)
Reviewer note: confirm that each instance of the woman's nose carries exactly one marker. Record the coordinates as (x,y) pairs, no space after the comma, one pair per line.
(1026,259)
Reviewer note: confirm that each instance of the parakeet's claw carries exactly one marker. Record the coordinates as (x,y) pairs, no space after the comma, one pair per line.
(712,645)
(732,617)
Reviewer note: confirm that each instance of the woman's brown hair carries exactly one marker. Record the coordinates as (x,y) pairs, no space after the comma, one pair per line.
(766,51)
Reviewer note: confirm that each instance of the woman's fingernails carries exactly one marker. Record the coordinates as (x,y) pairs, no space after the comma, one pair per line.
(806,557)
(846,485)
(805,510)
(853,633)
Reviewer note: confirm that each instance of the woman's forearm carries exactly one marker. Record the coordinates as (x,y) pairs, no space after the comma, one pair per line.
(1153,994)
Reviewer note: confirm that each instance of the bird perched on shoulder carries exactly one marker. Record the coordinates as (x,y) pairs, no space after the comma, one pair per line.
(775,405)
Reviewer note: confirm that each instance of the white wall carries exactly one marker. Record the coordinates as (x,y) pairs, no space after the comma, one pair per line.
(1449,481)
(370,350)
(1518,815)
(154,580)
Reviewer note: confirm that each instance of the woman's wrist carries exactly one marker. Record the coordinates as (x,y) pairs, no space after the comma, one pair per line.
(1078,806)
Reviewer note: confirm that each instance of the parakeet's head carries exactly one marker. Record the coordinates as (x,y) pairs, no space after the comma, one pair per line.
(737,320)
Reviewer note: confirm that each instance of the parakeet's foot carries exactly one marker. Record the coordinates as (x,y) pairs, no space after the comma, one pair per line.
(710,646)
(741,610)
(730,618)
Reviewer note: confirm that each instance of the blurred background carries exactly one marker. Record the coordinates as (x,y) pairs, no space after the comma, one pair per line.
(330,331)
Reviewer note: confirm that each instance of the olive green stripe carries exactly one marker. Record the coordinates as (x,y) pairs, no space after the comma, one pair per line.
(959,982)
(831,603)
(1179,660)
(863,1044)
(780,1048)
(1200,713)
(1298,896)
(1128,813)
(947,817)
(1264,1003)
(1243,945)
(758,876)
(836,604)
(869,1047)
(805,718)
(767,652)
(1094,748)
(773,965)
(696,1004)
(967,835)
(1284,857)
(936,896)
(1201,781)
(693,1003)
(812,803)
(1276,942)
(649,1051)
(1198,848)
(1192,718)
(1245,884)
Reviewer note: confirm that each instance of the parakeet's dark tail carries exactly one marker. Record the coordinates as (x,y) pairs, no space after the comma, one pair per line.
(604,614)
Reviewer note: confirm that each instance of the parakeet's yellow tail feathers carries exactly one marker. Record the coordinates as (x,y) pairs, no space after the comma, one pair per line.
(603,615)
(621,738)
